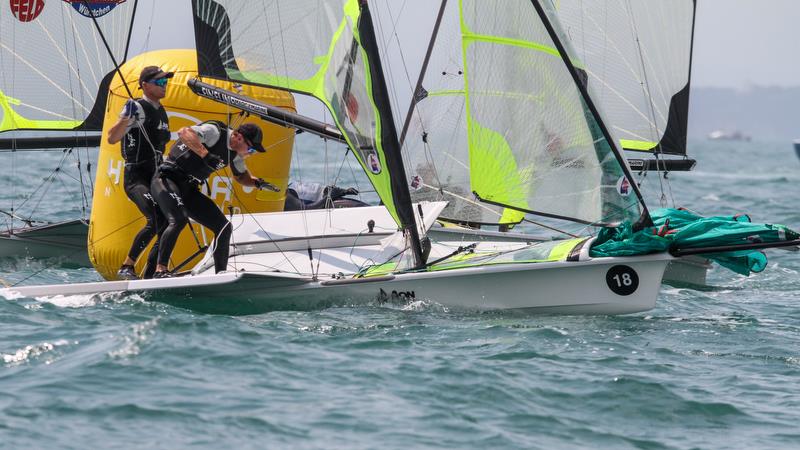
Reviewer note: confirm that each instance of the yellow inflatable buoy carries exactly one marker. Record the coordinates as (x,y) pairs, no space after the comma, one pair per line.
(115,220)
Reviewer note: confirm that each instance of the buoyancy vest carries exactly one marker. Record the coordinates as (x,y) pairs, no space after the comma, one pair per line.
(136,150)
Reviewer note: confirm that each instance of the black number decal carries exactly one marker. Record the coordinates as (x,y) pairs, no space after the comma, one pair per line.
(622,280)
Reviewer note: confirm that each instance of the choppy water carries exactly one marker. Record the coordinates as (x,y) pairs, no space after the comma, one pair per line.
(711,369)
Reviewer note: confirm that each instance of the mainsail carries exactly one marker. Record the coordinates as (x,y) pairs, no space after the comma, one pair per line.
(54,68)
(638,58)
(501,120)
(309,47)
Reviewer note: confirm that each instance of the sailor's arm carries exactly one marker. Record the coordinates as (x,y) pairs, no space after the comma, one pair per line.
(246,179)
(243,177)
(118,130)
(189,137)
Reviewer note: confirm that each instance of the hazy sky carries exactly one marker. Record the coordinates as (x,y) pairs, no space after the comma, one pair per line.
(738,43)
(747,42)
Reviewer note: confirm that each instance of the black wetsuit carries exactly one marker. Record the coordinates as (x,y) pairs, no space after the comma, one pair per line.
(176,188)
(141,160)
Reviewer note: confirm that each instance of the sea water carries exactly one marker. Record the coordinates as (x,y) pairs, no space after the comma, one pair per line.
(718,368)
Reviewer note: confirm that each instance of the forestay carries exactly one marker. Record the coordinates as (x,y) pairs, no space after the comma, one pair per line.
(499,90)
(54,68)
(637,55)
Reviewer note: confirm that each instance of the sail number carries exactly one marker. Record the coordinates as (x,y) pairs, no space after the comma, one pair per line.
(622,280)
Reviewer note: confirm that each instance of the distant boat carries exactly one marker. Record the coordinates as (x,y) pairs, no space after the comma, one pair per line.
(720,135)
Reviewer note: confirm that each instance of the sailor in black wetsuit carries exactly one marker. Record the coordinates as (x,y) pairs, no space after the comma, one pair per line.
(143,129)
(199,151)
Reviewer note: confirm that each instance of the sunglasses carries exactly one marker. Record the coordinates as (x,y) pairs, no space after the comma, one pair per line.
(161,82)
(250,147)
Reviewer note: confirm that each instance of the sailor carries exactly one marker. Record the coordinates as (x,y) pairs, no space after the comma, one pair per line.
(143,130)
(305,195)
(199,151)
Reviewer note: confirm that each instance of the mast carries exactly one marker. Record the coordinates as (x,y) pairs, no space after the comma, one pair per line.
(417,95)
(645,220)
(388,136)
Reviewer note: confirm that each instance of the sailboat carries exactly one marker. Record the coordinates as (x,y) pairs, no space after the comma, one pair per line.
(521,78)
(797,147)
(54,78)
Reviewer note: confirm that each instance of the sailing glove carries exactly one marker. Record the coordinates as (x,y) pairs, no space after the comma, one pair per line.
(213,161)
(132,111)
(263,185)
(335,192)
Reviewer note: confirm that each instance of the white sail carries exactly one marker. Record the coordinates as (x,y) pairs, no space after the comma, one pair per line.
(637,55)
(53,63)
(498,88)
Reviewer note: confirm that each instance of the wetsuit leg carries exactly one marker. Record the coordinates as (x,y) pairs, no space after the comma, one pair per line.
(205,212)
(152,256)
(137,187)
(169,196)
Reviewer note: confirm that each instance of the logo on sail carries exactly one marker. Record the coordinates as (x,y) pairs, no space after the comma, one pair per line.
(95,8)
(373,163)
(624,186)
(26,10)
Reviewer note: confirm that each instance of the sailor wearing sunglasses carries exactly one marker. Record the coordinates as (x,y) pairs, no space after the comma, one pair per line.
(143,130)
(201,150)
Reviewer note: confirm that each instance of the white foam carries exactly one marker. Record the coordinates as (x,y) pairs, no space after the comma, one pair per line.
(31,351)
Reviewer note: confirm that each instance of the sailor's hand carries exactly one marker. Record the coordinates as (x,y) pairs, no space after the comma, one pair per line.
(263,185)
(214,161)
(335,192)
(132,111)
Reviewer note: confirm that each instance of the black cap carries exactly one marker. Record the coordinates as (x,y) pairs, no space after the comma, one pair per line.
(253,134)
(151,73)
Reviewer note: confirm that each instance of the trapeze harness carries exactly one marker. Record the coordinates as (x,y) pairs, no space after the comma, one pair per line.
(176,188)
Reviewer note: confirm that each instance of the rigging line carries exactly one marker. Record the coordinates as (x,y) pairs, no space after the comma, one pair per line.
(646,87)
(44,181)
(587,100)
(66,58)
(110,53)
(281,40)
(627,65)
(47,183)
(386,44)
(247,211)
(74,27)
(85,204)
(146,44)
(45,77)
(130,30)
(80,80)
(422,73)
(76,252)
(121,76)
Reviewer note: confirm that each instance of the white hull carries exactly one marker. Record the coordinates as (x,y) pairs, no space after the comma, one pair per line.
(65,240)
(686,271)
(563,288)
(301,261)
